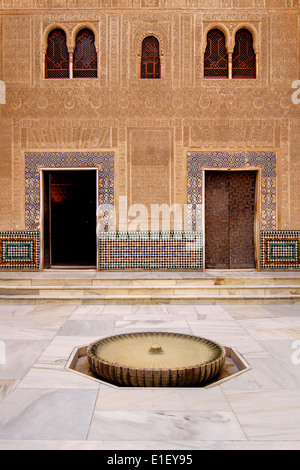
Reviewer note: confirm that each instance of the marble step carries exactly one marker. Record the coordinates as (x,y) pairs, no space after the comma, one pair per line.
(160,293)
(147,287)
(146,290)
(152,282)
(153,299)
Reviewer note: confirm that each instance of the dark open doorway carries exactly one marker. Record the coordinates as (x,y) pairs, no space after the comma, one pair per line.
(229,219)
(70,204)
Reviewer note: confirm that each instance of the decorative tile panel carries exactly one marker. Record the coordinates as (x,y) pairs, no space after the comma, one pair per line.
(20,250)
(280,249)
(197,162)
(34,162)
(150,250)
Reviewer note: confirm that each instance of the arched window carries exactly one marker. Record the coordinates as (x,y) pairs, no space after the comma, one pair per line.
(85,55)
(243,57)
(57,55)
(216,57)
(150,63)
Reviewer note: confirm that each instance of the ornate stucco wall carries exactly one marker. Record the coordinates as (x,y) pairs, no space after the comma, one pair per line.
(150,125)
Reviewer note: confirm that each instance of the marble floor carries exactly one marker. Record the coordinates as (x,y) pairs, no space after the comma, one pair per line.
(43,405)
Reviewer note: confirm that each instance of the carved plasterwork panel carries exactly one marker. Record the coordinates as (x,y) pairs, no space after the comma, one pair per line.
(162,31)
(17,49)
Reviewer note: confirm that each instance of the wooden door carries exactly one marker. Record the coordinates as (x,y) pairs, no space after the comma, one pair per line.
(229,219)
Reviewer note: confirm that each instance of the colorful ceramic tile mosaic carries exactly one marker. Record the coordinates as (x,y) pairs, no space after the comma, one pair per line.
(20,250)
(280,249)
(34,162)
(197,162)
(150,250)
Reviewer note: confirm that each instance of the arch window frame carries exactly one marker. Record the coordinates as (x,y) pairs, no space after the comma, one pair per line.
(246,50)
(216,54)
(61,66)
(150,63)
(88,69)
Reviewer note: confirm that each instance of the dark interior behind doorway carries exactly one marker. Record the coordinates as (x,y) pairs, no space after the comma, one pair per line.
(70,218)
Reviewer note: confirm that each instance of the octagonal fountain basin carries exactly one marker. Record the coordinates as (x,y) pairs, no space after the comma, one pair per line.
(156,359)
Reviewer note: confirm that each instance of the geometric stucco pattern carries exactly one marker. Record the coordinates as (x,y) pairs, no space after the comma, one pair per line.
(34,162)
(265,162)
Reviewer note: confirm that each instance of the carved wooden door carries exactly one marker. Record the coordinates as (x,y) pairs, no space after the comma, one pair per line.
(229,219)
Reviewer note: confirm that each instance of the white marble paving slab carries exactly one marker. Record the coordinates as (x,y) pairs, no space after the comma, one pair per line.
(182,311)
(227,333)
(244,311)
(61,347)
(157,325)
(27,334)
(151,309)
(20,356)
(285,354)
(212,312)
(278,310)
(6,387)
(46,414)
(15,310)
(267,415)
(39,317)
(87,312)
(117,309)
(120,399)
(266,374)
(146,445)
(101,327)
(112,445)
(56,377)
(273,328)
(162,426)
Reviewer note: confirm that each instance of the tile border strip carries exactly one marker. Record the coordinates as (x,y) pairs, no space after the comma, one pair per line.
(20,250)
(280,249)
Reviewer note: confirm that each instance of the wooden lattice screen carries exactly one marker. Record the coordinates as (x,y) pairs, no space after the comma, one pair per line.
(243,57)
(85,55)
(57,56)
(216,57)
(150,63)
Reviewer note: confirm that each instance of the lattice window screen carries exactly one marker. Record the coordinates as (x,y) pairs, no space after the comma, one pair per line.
(57,56)
(85,55)
(150,63)
(216,57)
(243,57)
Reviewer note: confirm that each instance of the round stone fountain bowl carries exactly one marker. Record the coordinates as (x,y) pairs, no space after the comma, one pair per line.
(156,359)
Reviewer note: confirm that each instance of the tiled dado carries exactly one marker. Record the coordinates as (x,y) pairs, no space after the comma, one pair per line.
(150,250)
(36,161)
(20,250)
(280,249)
(197,162)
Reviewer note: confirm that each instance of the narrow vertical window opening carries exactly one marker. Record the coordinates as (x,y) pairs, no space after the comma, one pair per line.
(57,55)
(216,57)
(243,57)
(85,55)
(150,63)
